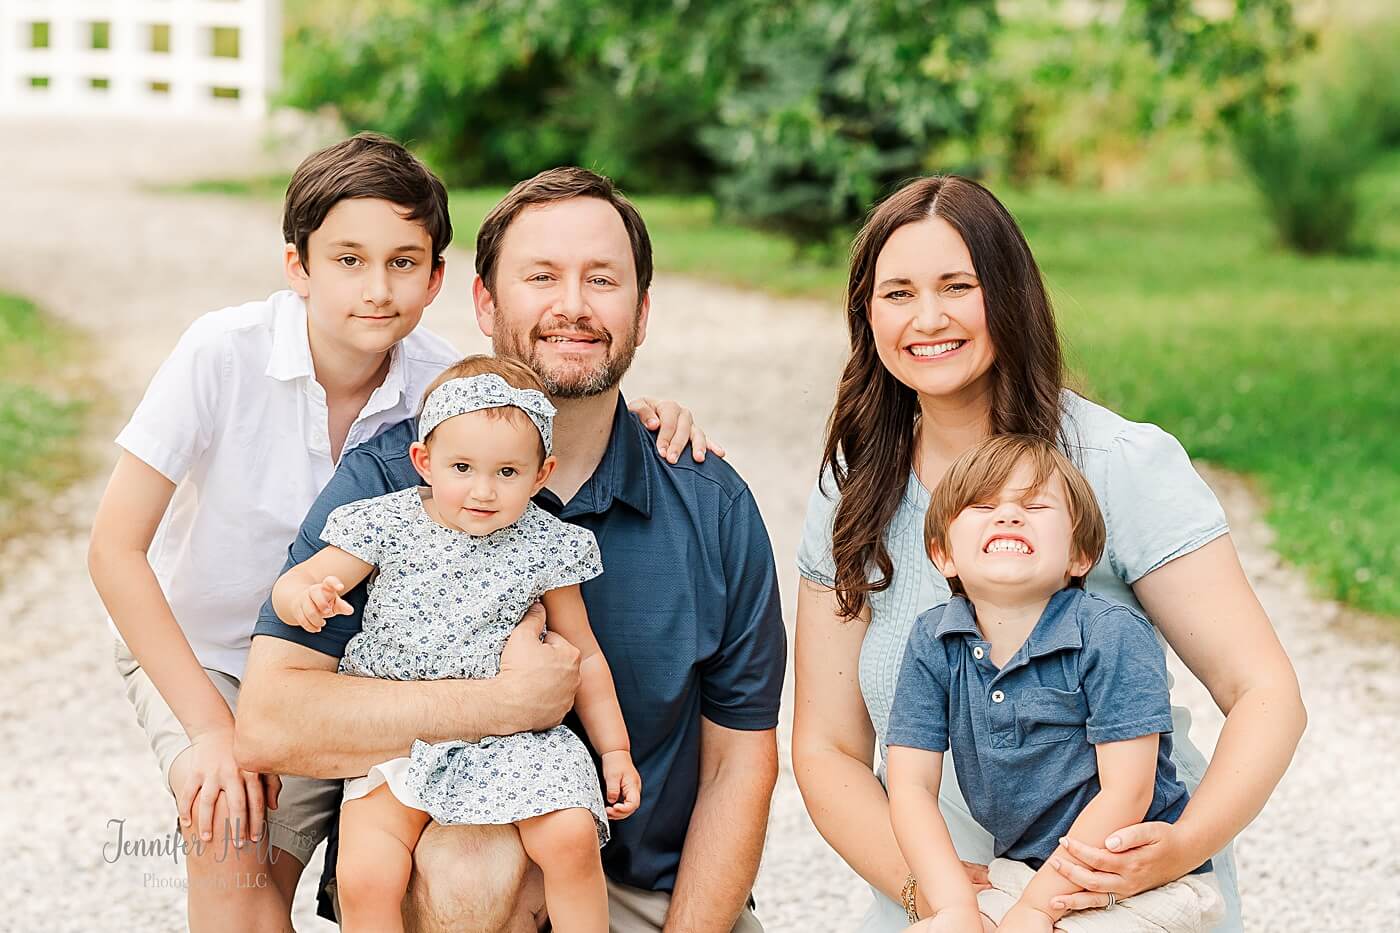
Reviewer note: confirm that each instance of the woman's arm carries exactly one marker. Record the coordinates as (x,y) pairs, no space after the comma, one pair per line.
(833,744)
(1207,611)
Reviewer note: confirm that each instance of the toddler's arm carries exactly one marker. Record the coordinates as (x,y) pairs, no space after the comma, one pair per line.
(1127,774)
(309,593)
(913,780)
(596,704)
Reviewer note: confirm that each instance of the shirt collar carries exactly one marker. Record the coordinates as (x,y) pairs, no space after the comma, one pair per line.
(291,355)
(622,475)
(958,619)
(1058,626)
(1056,629)
(291,348)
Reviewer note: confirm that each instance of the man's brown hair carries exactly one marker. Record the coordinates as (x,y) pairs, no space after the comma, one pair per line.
(366,165)
(548,187)
(980,475)
(514,372)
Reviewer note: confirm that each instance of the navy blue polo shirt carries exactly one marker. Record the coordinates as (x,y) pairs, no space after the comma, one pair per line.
(686,612)
(1023,736)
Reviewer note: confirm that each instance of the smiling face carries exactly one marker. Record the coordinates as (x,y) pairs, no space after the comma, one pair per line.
(927,314)
(1017,542)
(368,276)
(564,297)
(483,466)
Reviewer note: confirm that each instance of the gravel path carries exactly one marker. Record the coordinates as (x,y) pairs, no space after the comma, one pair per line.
(89,240)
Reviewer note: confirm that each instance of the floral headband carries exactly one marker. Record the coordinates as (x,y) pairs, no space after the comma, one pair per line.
(475,393)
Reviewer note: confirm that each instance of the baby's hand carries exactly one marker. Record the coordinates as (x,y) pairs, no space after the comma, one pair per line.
(320,602)
(624,784)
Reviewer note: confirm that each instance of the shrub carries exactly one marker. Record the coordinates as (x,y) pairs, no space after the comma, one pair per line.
(1307,156)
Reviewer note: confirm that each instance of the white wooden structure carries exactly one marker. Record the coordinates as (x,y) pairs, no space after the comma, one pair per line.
(148,57)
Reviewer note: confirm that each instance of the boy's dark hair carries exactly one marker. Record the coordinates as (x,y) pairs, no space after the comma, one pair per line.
(561,184)
(367,165)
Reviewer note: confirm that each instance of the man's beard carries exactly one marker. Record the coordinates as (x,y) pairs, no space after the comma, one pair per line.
(569,379)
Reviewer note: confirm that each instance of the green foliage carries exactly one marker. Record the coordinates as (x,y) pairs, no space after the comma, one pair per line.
(1086,105)
(833,104)
(38,423)
(493,92)
(1307,154)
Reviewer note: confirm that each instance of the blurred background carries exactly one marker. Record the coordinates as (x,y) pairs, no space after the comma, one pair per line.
(1212,189)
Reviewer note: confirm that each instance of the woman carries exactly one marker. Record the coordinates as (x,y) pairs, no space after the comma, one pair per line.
(952,339)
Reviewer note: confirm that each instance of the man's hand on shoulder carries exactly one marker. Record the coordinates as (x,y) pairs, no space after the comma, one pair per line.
(539,676)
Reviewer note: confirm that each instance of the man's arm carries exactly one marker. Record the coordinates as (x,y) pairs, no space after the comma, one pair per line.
(296,715)
(742,685)
(738,770)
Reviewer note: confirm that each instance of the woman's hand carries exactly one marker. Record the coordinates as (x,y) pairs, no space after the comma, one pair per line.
(1136,859)
(675,427)
(207,769)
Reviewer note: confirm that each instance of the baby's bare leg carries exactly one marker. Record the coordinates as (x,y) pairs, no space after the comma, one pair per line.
(377,836)
(565,846)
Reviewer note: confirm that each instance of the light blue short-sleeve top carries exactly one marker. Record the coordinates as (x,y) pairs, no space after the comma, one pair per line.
(1156,507)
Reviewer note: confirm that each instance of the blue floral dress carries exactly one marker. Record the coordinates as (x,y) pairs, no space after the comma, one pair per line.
(441,605)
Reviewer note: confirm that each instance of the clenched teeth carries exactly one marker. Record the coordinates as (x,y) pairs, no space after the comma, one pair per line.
(1007,544)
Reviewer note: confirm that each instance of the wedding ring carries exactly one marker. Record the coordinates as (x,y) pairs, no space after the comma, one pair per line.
(1112,901)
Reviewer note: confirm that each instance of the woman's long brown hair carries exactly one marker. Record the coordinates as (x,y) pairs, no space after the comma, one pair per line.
(870,436)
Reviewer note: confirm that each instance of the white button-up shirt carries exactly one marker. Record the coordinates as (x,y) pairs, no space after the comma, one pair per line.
(236,419)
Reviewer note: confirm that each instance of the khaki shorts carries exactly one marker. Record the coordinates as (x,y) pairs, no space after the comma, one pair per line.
(305,806)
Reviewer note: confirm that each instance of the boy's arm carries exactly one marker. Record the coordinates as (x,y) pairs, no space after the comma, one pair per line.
(1127,775)
(596,702)
(131,509)
(913,780)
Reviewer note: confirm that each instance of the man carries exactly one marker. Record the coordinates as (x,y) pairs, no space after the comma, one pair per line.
(686,610)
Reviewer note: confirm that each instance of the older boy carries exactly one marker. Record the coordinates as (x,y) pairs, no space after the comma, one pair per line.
(686,610)
(238,432)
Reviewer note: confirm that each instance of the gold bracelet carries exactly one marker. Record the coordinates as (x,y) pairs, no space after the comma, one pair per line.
(909,897)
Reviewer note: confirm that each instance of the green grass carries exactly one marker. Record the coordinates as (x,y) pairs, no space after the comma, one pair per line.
(1181,309)
(39,424)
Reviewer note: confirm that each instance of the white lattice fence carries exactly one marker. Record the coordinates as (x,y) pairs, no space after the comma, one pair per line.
(139,56)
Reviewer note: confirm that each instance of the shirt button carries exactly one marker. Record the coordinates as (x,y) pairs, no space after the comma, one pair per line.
(998,696)
(977,652)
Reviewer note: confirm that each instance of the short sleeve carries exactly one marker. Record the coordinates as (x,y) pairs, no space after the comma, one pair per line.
(359,529)
(1123,674)
(362,474)
(175,422)
(580,559)
(741,684)
(814,560)
(919,712)
(1156,505)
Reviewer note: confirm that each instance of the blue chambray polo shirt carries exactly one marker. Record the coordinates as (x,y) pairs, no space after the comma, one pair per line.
(686,612)
(1023,737)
